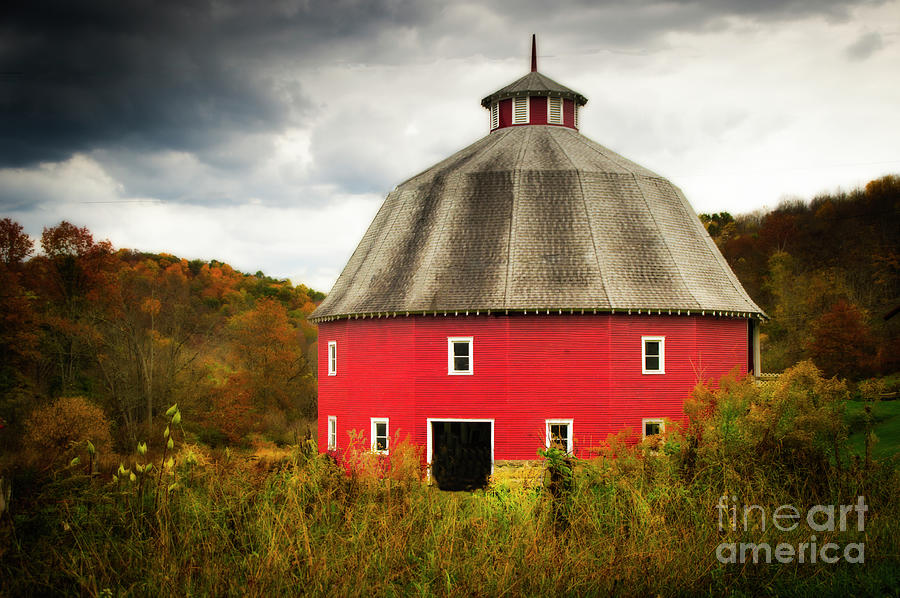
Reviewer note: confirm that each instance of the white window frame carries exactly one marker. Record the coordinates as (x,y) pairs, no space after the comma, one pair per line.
(332,358)
(495,115)
(332,432)
(451,364)
(575,113)
(570,423)
(558,119)
(652,420)
(662,354)
(387,438)
(515,113)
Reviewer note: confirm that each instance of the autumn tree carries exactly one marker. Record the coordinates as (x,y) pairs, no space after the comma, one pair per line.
(19,332)
(18,327)
(68,279)
(841,342)
(15,245)
(149,330)
(133,331)
(267,345)
(230,407)
(720,226)
(798,260)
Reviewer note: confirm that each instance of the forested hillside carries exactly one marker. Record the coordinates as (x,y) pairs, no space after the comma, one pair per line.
(135,332)
(827,272)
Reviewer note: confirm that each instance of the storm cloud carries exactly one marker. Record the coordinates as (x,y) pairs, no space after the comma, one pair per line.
(109,108)
(190,75)
(146,75)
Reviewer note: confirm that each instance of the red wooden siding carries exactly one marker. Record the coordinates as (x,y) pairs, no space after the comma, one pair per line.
(569,113)
(526,369)
(537,113)
(537,110)
(505,113)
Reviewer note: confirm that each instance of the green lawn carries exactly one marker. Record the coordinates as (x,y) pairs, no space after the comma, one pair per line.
(887,428)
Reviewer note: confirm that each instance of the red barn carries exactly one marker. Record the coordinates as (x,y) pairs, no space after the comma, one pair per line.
(534,287)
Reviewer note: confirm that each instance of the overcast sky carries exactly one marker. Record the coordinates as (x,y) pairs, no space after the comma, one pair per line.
(266,135)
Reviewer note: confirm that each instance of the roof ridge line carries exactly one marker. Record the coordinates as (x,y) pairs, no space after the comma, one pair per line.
(595,147)
(587,215)
(716,253)
(451,156)
(517,183)
(372,248)
(666,245)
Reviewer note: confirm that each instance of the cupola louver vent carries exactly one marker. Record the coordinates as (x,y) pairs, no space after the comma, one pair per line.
(520,110)
(554,111)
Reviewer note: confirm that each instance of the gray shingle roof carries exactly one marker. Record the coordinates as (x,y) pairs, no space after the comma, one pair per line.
(534,84)
(535,217)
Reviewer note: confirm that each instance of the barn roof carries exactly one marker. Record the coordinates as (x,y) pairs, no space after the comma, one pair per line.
(536,217)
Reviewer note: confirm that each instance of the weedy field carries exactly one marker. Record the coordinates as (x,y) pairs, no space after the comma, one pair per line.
(645,519)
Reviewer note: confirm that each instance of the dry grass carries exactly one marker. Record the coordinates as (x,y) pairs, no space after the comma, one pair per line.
(296,522)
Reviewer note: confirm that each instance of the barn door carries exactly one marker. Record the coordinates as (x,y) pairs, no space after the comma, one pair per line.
(461,453)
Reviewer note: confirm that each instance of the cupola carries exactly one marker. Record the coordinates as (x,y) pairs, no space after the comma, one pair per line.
(535,99)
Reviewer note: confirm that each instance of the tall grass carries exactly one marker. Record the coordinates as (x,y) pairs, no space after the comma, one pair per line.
(637,522)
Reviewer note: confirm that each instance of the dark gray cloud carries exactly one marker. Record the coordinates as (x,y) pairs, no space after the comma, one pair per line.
(77,76)
(865,46)
(193,75)
(613,24)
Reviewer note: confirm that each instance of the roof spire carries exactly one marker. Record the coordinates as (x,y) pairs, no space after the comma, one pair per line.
(533,53)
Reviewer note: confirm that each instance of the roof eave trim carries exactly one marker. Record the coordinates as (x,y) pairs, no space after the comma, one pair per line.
(632,311)
(502,95)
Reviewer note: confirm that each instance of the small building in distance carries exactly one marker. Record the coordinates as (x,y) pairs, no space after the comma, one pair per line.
(532,288)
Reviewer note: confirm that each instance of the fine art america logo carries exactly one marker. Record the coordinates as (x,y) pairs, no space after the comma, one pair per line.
(824,519)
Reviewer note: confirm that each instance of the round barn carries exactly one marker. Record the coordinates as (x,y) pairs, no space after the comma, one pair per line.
(533,288)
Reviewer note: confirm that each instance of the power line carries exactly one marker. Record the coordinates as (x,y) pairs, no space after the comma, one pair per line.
(803,169)
(126,201)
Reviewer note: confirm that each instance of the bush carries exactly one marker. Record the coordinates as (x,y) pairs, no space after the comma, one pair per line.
(792,428)
(58,431)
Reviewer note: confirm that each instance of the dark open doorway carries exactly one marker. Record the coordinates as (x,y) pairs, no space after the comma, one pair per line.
(461,453)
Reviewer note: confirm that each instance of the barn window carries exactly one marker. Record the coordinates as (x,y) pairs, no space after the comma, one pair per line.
(380,437)
(332,358)
(554,111)
(653,358)
(459,355)
(332,432)
(652,427)
(559,434)
(520,110)
(495,115)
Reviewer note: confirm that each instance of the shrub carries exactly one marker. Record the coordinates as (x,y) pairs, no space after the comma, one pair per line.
(404,465)
(59,431)
(793,427)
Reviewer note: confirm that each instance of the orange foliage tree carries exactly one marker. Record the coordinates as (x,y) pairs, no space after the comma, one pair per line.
(18,328)
(231,407)
(15,245)
(267,345)
(841,343)
(134,331)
